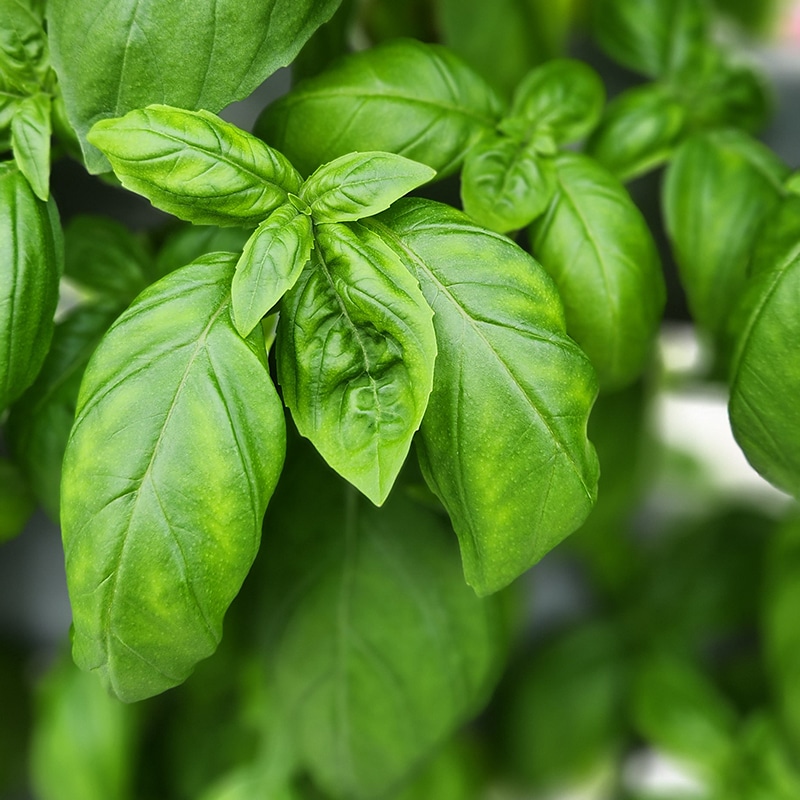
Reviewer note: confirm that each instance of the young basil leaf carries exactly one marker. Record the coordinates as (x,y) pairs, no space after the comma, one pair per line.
(356,348)
(270,265)
(196,166)
(114,58)
(596,245)
(719,188)
(639,131)
(188,242)
(503,442)
(96,764)
(765,379)
(16,501)
(405,97)
(506,184)
(653,37)
(565,96)
(377,650)
(179,437)
(41,420)
(359,185)
(24,56)
(31,263)
(30,142)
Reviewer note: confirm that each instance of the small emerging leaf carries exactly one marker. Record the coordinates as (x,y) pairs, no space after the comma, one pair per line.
(359,185)
(30,141)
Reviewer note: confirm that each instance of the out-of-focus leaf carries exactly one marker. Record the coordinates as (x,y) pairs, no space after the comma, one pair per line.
(16,501)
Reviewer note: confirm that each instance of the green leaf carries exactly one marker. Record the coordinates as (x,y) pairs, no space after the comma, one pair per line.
(356,349)
(359,185)
(639,131)
(41,420)
(177,445)
(454,773)
(719,189)
(377,651)
(83,740)
(506,184)
(596,245)
(188,242)
(24,56)
(270,265)
(653,37)
(503,443)
(16,501)
(115,58)
(564,96)
(31,262)
(196,166)
(417,100)
(30,142)
(765,379)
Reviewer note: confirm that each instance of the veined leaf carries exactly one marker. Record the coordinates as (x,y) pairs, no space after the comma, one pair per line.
(503,442)
(377,649)
(115,57)
(30,142)
(359,185)
(177,445)
(356,349)
(31,263)
(765,377)
(598,249)
(196,166)
(417,100)
(24,56)
(270,265)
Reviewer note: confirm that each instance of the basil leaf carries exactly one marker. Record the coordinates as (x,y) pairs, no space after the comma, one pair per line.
(506,184)
(596,245)
(41,420)
(405,97)
(270,265)
(359,185)
(31,262)
(179,436)
(356,349)
(188,242)
(719,189)
(377,650)
(653,37)
(30,142)
(196,166)
(16,501)
(764,375)
(117,57)
(98,763)
(24,56)
(503,443)
(102,255)
(639,131)
(454,773)
(565,96)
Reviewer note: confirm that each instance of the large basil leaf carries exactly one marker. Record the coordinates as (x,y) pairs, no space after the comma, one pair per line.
(177,445)
(196,166)
(40,422)
(31,263)
(30,140)
(376,648)
(356,349)
(114,57)
(503,442)
(598,249)
(719,188)
(654,37)
(765,377)
(404,97)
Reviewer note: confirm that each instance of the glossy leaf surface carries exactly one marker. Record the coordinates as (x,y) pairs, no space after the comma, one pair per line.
(377,650)
(31,263)
(356,349)
(359,185)
(30,142)
(196,166)
(503,443)
(180,435)
(506,184)
(719,189)
(123,55)
(596,245)
(271,263)
(417,100)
